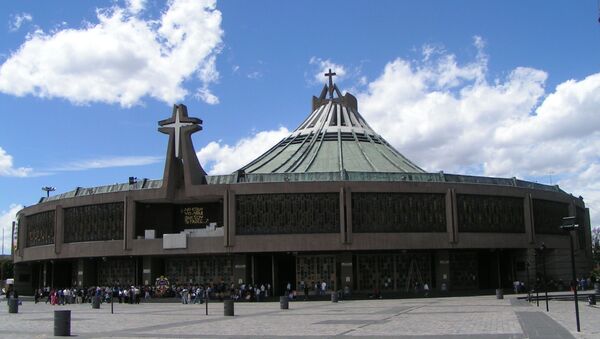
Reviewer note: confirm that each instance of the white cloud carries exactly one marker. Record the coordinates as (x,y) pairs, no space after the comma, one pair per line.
(135,6)
(220,158)
(7,168)
(254,75)
(109,162)
(17,20)
(6,219)
(122,57)
(448,116)
(322,66)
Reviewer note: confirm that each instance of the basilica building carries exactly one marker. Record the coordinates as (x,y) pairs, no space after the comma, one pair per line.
(332,202)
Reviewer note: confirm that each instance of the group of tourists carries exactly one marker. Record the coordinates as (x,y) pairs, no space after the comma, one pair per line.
(65,296)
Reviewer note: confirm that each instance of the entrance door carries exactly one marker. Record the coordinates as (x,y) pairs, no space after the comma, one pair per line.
(263,270)
(285,272)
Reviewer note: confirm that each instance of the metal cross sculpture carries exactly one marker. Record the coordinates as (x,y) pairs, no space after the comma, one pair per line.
(330,75)
(177,122)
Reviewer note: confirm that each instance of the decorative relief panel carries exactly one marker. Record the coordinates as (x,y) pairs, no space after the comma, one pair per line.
(117,272)
(40,229)
(94,222)
(201,270)
(288,213)
(547,216)
(398,212)
(312,269)
(404,272)
(482,213)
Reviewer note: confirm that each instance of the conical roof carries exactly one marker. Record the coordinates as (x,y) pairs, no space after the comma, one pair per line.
(334,137)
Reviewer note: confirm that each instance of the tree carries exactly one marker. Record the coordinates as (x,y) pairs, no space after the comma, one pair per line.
(596,246)
(6,269)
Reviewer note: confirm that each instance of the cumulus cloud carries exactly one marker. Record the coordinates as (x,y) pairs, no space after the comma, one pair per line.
(457,117)
(122,57)
(322,66)
(6,219)
(449,116)
(7,168)
(135,6)
(17,20)
(219,158)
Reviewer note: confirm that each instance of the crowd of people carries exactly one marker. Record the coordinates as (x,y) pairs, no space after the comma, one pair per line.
(187,293)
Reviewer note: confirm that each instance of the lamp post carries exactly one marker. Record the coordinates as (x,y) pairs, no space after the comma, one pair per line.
(542,250)
(48,189)
(569,225)
(528,282)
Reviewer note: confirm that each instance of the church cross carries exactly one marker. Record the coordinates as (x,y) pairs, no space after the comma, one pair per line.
(177,125)
(330,74)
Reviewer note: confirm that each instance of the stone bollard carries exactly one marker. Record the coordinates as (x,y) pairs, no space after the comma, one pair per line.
(499,293)
(13,305)
(228,307)
(96,302)
(62,323)
(284,303)
(334,297)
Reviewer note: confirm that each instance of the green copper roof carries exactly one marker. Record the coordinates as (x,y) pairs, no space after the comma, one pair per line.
(334,137)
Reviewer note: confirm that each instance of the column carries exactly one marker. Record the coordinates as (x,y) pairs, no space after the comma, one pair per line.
(59,229)
(451,217)
(442,269)
(528,217)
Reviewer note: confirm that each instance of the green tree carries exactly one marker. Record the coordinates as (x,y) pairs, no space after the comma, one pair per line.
(596,246)
(6,269)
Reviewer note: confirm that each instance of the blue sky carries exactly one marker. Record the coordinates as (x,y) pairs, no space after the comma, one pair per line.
(499,88)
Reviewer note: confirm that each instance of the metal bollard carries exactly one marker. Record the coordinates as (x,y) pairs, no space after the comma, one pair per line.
(62,323)
(13,305)
(334,297)
(228,307)
(96,302)
(499,293)
(284,303)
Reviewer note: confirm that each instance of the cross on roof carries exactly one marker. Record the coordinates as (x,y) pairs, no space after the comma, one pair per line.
(179,121)
(330,74)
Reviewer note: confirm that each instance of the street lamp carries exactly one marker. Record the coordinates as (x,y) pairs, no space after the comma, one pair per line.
(569,225)
(542,250)
(48,189)
(528,281)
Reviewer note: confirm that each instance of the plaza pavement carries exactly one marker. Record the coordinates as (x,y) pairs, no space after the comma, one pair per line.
(457,317)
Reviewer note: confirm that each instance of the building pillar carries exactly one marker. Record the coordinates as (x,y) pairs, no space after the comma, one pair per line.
(442,269)
(146,270)
(528,217)
(239,269)
(44,274)
(451,217)
(348,212)
(129,209)
(231,218)
(80,269)
(59,229)
(226,235)
(342,202)
(346,271)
